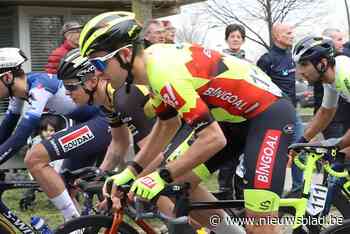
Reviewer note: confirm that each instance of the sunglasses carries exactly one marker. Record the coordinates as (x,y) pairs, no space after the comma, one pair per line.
(72,86)
(100,62)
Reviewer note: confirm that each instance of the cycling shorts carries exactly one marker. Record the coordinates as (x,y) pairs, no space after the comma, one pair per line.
(264,140)
(81,144)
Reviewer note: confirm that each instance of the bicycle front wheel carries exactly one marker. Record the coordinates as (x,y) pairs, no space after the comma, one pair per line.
(344,228)
(93,224)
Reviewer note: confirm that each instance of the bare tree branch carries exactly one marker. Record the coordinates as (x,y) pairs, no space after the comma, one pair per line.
(266,12)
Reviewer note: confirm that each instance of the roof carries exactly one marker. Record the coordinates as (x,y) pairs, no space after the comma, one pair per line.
(93,3)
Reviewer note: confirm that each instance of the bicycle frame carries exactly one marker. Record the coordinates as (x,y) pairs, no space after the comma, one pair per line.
(11,220)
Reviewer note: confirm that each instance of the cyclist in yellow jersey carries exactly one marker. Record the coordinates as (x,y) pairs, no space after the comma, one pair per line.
(200,86)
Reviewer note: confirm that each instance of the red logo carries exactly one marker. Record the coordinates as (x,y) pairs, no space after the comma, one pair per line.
(76,138)
(266,159)
(171,97)
(148,182)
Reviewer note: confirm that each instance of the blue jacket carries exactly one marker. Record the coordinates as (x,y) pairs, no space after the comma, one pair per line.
(279,65)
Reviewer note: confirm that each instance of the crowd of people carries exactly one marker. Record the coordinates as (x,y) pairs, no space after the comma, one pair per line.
(188,111)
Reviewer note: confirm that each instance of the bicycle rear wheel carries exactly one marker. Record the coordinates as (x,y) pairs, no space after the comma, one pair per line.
(93,224)
(344,228)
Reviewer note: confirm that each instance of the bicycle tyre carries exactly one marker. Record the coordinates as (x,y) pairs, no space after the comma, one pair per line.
(92,225)
(344,228)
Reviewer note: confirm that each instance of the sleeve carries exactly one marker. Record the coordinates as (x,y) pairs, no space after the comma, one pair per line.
(180,95)
(11,118)
(264,63)
(84,113)
(131,108)
(38,97)
(113,118)
(13,144)
(330,97)
(37,100)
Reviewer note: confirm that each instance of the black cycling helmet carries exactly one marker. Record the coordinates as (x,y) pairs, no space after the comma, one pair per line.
(108,32)
(74,66)
(313,49)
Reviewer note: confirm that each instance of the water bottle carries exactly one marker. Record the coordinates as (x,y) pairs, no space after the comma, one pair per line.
(39,225)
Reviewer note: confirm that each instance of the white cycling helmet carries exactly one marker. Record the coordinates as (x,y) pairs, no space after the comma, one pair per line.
(11,57)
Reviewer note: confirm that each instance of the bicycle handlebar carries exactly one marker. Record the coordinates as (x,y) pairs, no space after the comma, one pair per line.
(318,149)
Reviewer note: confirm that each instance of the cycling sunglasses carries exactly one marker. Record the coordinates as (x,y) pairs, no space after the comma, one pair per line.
(100,62)
(72,86)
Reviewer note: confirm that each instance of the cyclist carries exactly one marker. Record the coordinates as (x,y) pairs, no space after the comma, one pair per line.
(123,109)
(316,61)
(81,144)
(202,87)
(80,82)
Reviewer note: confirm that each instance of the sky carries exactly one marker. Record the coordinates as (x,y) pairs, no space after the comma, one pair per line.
(334,15)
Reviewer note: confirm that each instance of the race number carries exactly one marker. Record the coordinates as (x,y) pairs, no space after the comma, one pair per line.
(317,199)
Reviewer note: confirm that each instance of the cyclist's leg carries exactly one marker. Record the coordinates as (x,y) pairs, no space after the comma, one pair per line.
(84,139)
(265,163)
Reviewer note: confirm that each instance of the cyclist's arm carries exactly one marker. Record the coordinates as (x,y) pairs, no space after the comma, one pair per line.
(11,118)
(117,149)
(84,113)
(162,133)
(209,141)
(38,98)
(325,113)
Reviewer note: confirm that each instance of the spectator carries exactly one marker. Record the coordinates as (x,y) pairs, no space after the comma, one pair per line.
(170,31)
(235,37)
(70,31)
(339,124)
(279,65)
(153,32)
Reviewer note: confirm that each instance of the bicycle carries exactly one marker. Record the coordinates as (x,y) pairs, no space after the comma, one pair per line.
(114,224)
(343,228)
(10,223)
(339,190)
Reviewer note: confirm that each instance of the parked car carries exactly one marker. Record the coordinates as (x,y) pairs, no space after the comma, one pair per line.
(304,93)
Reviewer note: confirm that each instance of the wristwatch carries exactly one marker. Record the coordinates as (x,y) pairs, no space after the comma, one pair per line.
(164,173)
(135,165)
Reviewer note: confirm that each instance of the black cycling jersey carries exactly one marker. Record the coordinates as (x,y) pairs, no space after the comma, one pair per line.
(128,108)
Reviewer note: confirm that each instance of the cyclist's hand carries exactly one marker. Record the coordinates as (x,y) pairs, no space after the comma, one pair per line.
(149,186)
(110,188)
(126,176)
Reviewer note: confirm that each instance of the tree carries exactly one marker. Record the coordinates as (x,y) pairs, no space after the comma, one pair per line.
(347,15)
(194,25)
(250,13)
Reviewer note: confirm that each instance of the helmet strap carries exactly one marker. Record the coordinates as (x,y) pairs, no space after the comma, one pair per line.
(8,86)
(128,67)
(322,70)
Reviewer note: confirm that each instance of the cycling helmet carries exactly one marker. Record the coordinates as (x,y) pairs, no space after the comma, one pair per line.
(108,32)
(313,49)
(11,58)
(74,66)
